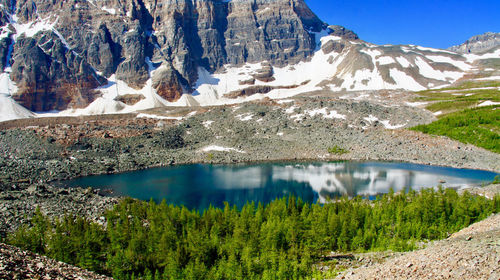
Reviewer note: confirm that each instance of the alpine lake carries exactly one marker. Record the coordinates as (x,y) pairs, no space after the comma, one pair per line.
(199,186)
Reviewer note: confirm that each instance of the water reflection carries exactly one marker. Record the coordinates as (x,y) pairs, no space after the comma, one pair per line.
(368,179)
(198,186)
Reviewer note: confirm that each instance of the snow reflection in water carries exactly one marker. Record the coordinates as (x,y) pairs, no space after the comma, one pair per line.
(198,186)
(368,179)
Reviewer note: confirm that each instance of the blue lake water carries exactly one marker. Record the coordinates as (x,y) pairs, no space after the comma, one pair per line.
(199,185)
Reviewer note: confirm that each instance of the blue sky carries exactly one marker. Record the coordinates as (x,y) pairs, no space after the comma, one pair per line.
(437,24)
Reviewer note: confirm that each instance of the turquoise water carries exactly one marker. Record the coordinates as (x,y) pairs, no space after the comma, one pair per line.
(199,185)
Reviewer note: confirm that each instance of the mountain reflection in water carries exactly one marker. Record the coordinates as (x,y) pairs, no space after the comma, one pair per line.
(368,179)
(199,185)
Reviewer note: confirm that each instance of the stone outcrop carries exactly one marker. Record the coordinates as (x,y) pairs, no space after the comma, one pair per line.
(49,76)
(265,74)
(166,82)
(333,46)
(343,33)
(129,99)
(62,50)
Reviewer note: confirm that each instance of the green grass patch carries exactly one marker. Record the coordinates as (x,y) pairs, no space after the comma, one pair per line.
(447,106)
(478,126)
(475,95)
(466,85)
(336,150)
(474,84)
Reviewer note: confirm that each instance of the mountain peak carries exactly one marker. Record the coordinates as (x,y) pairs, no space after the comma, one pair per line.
(478,43)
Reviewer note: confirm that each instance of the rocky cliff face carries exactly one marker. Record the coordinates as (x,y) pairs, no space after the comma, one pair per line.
(57,52)
(109,56)
(479,43)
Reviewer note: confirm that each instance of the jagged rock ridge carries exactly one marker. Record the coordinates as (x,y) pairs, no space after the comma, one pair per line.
(478,44)
(59,51)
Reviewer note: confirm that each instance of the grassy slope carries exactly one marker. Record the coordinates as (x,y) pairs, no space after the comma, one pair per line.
(478,126)
(460,117)
(466,95)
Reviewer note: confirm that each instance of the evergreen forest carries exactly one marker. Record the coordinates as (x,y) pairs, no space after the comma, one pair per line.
(281,240)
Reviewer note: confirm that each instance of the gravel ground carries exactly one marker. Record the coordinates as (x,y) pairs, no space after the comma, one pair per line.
(300,129)
(19,264)
(472,253)
(16,207)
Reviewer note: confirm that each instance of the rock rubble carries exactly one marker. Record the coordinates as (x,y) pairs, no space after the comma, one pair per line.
(18,206)
(19,264)
(302,129)
(472,253)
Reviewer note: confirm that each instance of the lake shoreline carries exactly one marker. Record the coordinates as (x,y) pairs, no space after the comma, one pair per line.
(35,153)
(248,133)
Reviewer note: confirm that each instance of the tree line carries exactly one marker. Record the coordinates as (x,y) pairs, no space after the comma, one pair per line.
(280,240)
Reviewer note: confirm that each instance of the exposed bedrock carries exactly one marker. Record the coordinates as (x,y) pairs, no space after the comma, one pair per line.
(60,43)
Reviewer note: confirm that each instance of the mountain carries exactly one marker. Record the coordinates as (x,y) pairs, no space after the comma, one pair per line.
(479,43)
(106,56)
(59,51)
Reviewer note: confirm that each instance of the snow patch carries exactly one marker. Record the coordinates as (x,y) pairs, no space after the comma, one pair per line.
(360,97)
(29,29)
(297,117)
(372,53)
(427,71)
(151,116)
(384,60)
(371,119)
(492,78)
(488,103)
(433,50)
(221,149)
(283,101)
(244,117)
(387,125)
(207,124)
(7,86)
(100,106)
(446,59)
(114,88)
(11,110)
(404,80)
(327,115)
(291,109)
(416,104)
(109,10)
(403,61)
(192,114)
(473,57)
